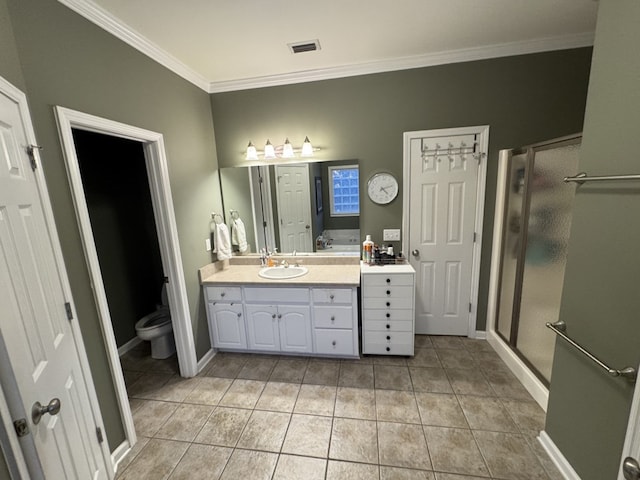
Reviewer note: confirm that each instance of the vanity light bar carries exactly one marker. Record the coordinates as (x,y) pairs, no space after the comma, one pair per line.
(286,150)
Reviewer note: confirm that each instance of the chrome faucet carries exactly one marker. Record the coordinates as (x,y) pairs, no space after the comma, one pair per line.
(284,263)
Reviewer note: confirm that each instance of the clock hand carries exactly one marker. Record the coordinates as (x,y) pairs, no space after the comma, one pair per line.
(383,189)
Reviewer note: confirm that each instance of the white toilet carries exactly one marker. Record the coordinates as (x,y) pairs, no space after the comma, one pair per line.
(157,329)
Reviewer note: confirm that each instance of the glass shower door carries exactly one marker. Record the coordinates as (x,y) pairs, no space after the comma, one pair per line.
(545,256)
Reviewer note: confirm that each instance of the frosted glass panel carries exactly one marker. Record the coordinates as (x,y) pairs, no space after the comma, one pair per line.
(546,253)
(511,242)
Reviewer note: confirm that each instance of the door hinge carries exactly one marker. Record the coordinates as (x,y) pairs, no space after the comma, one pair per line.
(67,307)
(165,279)
(475,236)
(21,426)
(99,435)
(470,307)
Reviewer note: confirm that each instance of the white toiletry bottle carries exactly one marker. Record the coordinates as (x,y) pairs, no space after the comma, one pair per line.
(367,250)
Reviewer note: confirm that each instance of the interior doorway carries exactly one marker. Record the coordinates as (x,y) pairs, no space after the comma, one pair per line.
(152,145)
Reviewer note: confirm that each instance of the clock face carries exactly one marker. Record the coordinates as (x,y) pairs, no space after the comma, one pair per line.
(382,188)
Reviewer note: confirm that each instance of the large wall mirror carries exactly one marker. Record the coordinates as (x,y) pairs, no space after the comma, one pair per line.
(295,207)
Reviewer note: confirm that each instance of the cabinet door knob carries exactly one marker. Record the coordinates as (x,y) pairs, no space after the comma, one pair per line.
(239,314)
(331,296)
(273,315)
(388,349)
(388,337)
(388,292)
(333,343)
(222,294)
(279,315)
(333,318)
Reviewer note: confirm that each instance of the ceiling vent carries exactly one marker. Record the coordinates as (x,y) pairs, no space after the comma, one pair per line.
(306,46)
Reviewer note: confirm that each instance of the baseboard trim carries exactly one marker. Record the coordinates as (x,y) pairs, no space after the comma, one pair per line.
(130,345)
(480,335)
(557,458)
(206,358)
(119,453)
(532,383)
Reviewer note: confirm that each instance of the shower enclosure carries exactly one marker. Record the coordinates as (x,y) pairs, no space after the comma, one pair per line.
(537,221)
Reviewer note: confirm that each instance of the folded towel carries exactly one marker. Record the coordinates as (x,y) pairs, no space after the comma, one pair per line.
(239,235)
(221,241)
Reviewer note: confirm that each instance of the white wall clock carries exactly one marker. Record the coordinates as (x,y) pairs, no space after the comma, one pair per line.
(382,188)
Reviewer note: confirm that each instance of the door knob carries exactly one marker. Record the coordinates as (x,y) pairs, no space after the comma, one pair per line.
(38,410)
(631,469)
(307,227)
(415,253)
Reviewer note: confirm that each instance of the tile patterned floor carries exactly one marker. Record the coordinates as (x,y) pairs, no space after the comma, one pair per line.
(451,412)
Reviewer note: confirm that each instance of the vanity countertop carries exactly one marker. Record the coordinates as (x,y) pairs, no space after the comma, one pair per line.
(320,273)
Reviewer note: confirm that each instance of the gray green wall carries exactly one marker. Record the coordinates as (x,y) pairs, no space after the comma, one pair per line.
(524,99)
(68,61)
(588,410)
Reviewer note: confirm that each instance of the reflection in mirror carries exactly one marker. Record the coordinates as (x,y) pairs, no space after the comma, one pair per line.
(305,207)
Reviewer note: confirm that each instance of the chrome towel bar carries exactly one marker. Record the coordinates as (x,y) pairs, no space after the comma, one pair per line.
(583,177)
(560,327)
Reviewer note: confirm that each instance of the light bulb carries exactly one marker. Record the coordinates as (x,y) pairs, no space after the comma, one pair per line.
(252,153)
(269,151)
(287,149)
(307,148)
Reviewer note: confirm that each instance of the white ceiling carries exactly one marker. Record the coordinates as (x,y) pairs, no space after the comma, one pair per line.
(223,45)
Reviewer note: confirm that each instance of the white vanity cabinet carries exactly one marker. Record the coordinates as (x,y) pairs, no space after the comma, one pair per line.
(388,309)
(335,321)
(281,325)
(226,317)
(286,319)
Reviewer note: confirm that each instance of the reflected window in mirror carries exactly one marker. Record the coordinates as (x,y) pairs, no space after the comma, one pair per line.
(344,193)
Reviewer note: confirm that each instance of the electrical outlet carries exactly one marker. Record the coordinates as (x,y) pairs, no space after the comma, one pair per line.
(391,234)
(207,244)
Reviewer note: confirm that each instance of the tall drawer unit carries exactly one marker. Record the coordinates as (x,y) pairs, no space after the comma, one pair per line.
(388,309)
(335,321)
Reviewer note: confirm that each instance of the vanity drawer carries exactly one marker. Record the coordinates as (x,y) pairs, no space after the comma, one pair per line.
(382,326)
(333,317)
(389,292)
(334,342)
(388,349)
(332,295)
(223,293)
(372,314)
(389,337)
(382,280)
(386,303)
(276,295)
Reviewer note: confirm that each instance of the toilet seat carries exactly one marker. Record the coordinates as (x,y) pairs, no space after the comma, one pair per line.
(155,324)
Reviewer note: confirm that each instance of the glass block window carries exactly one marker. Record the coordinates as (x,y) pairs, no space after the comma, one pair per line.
(344,191)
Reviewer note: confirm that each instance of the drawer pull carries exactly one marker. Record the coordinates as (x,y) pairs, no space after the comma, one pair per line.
(279,315)
(388,292)
(333,318)
(388,315)
(388,280)
(273,315)
(333,343)
(388,326)
(239,314)
(388,337)
(388,304)
(388,349)
(222,294)
(331,296)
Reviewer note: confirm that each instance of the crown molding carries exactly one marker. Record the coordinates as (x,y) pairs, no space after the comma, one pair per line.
(115,27)
(405,63)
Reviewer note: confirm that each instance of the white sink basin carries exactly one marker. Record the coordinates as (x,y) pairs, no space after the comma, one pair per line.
(282,272)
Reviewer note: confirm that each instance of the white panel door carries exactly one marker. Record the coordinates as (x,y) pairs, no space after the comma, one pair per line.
(295,328)
(294,208)
(442,204)
(44,355)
